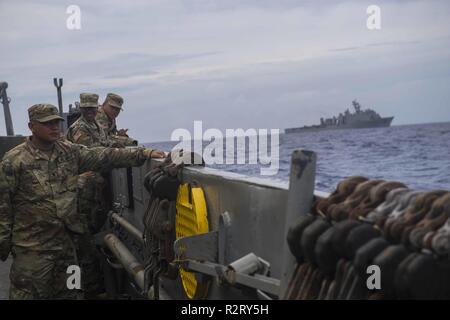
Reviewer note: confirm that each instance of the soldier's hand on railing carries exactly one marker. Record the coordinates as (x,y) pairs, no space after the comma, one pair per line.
(122,132)
(151,153)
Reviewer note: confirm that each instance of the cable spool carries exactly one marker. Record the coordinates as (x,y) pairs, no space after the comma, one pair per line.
(191,219)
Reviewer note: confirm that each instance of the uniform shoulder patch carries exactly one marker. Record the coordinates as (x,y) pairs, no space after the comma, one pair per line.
(77,135)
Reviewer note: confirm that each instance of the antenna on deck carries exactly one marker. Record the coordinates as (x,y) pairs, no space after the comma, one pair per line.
(5,101)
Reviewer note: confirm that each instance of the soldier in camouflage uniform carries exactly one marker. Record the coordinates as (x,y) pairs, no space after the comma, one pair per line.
(38,203)
(91,200)
(92,185)
(86,130)
(106,118)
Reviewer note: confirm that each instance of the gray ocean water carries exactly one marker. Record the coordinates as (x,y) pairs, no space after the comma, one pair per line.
(417,155)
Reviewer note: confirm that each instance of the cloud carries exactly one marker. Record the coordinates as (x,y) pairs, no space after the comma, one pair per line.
(379,44)
(345,49)
(246,63)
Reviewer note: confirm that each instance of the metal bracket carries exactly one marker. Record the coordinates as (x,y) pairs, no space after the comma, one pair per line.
(259,282)
(224,237)
(200,254)
(118,207)
(249,264)
(201,247)
(211,246)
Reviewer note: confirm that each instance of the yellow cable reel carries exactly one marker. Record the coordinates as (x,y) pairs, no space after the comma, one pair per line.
(191,219)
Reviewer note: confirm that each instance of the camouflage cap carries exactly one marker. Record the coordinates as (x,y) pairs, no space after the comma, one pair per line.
(114,100)
(43,112)
(88,100)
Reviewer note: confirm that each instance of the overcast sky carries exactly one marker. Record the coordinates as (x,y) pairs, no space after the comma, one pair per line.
(230,63)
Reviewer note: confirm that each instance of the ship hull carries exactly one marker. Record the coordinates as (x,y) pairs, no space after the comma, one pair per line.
(380,123)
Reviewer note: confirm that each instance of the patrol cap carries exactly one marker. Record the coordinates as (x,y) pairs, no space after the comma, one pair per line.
(43,112)
(88,100)
(114,100)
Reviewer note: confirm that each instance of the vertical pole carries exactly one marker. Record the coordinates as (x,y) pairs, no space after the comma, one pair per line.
(58,84)
(7,112)
(300,198)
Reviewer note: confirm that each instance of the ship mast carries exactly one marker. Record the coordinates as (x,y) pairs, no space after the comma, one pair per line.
(357,106)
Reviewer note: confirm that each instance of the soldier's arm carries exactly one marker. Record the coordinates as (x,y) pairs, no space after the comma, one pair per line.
(126,141)
(113,143)
(104,159)
(8,185)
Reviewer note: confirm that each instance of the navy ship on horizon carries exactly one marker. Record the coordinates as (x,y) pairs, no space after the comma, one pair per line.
(359,119)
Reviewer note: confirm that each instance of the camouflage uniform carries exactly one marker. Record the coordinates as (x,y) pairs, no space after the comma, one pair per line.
(109,125)
(89,134)
(38,208)
(92,205)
